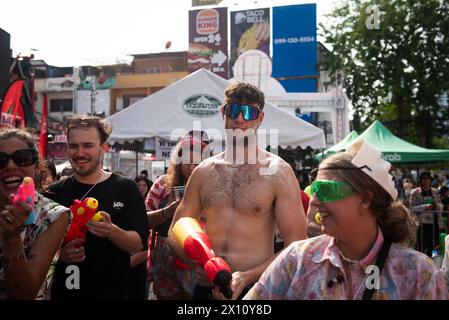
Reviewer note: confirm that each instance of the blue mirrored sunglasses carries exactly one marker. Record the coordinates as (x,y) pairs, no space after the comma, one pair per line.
(249,113)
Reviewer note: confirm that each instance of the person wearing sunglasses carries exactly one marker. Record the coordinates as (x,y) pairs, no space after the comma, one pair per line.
(365,250)
(26,251)
(245,192)
(103,260)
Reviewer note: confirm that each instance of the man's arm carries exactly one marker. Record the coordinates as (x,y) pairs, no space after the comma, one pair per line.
(190,206)
(288,209)
(290,219)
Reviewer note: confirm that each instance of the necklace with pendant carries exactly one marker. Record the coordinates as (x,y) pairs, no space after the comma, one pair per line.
(98,181)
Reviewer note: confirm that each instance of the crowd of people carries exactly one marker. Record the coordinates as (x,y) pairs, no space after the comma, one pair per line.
(278,241)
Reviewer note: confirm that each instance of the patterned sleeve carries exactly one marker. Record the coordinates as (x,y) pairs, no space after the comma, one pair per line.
(431,285)
(156,194)
(445,266)
(276,280)
(47,212)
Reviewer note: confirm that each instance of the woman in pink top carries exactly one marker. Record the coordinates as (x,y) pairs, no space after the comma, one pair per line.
(363,253)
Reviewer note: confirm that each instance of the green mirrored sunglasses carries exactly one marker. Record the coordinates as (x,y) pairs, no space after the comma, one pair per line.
(331,190)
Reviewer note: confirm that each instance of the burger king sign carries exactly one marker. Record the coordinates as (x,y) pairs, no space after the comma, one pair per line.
(208,41)
(207,21)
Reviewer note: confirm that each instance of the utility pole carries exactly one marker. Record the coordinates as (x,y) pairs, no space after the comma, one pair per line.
(93,96)
(76,76)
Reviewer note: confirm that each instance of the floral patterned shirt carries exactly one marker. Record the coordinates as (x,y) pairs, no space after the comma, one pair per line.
(157,192)
(304,270)
(47,211)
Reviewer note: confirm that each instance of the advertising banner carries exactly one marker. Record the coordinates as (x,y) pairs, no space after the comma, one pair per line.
(295,47)
(163,148)
(250,29)
(208,34)
(196,3)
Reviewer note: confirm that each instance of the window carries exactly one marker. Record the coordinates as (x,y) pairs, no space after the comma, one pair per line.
(61,105)
(130,99)
(152,70)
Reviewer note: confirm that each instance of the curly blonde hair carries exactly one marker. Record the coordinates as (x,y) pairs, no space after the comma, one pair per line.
(174,174)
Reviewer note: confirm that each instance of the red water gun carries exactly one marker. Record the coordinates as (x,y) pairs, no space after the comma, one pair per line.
(82,212)
(197,246)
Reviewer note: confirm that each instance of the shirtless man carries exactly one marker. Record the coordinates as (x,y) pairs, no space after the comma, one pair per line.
(243,199)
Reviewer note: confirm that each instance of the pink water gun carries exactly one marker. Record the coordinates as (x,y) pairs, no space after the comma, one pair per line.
(26,193)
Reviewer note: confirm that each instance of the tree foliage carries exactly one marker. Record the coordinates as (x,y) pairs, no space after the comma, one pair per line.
(395,71)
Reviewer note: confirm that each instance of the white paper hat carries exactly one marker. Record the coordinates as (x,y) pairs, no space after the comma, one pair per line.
(370,161)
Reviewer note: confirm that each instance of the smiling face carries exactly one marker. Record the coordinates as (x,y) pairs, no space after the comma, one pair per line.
(341,217)
(12,175)
(84,150)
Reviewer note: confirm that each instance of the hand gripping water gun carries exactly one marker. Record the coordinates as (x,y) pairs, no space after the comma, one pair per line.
(82,211)
(26,193)
(196,245)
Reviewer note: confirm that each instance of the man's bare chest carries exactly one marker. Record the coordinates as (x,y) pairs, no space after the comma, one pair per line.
(239,189)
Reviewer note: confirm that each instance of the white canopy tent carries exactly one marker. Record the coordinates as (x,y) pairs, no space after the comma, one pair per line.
(193,103)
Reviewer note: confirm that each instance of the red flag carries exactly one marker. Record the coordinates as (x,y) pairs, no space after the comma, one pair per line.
(12,109)
(44,129)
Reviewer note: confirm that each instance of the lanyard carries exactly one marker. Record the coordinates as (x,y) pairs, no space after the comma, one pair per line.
(380,262)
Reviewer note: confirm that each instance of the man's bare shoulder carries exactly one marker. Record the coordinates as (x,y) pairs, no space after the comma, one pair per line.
(275,167)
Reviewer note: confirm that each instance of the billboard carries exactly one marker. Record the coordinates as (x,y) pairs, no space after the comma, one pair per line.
(196,3)
(295,47)
(5,57)
(208,34)
(250,29)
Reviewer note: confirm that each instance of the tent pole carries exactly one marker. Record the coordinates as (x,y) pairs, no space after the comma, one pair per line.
(137,163)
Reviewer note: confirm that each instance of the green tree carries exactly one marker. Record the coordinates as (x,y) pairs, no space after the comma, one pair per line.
(395,63)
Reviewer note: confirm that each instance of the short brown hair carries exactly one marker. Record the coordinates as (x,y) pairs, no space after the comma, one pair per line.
(103,127)
(244,92)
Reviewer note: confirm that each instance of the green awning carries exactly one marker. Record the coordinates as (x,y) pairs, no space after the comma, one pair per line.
(339,146)
(396,150)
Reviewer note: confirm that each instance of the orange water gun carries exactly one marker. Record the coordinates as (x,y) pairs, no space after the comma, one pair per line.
(197,246)
(82,212)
